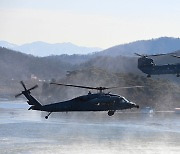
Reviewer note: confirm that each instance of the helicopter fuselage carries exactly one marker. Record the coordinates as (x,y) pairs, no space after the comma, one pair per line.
(147,66)
(161,69)
(90,102)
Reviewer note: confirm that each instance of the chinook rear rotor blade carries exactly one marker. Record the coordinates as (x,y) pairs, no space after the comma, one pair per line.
(175,56)
(153,55)
(161,54)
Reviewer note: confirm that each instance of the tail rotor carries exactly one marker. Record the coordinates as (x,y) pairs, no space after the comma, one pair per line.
(25,89)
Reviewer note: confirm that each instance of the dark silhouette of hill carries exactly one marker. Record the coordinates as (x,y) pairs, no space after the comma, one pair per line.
(18,66)
(72,59)
(120,64)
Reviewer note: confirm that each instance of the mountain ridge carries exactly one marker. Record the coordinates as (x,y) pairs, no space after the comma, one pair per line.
(43,49)
(152,46)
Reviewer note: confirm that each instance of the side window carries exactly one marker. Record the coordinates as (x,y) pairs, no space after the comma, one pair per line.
(123,101)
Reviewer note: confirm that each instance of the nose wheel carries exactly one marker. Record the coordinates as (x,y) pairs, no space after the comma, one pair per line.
(110,113)
(46,117)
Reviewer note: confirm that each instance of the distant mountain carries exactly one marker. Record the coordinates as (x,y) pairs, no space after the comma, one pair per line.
(7,45)
(43,49)
(153,46)
(18,66)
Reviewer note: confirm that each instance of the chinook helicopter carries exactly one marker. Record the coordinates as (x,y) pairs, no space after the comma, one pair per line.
(91,102)
(147,65)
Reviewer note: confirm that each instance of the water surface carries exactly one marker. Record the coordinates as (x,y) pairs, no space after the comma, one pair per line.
(23,131)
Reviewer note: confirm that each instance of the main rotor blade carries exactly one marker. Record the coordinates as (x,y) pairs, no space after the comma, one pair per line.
(70,85)
(22,83)
(161,54)
(96,88)
(138,54)
(129,87)
(33,88)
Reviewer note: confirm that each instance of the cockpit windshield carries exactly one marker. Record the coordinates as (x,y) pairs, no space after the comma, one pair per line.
(124,100)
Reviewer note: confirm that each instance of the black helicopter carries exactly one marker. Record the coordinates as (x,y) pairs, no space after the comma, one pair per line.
(92,102)
(147,66)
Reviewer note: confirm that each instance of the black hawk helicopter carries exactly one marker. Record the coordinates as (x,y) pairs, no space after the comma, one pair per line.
(91,102)
(147,66)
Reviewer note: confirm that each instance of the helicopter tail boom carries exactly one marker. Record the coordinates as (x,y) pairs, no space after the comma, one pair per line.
(35,104)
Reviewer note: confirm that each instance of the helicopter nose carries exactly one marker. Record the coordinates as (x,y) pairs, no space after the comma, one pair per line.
(134,105)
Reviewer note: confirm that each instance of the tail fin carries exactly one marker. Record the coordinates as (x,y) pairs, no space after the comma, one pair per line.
(31,100)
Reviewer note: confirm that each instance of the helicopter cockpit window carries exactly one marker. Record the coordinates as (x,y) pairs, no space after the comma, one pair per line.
(149,61)
(145,62)
(123,100)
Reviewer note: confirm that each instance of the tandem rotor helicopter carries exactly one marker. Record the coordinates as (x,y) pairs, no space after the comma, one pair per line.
(91,102)
(147,65)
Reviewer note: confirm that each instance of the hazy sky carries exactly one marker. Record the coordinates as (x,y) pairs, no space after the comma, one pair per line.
(93,23)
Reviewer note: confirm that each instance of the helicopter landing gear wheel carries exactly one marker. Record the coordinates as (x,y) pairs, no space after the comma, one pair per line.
(46,117)
(110,113)
(148,75)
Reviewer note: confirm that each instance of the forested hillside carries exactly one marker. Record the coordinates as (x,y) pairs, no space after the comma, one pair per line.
(153,46)
(18,66)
